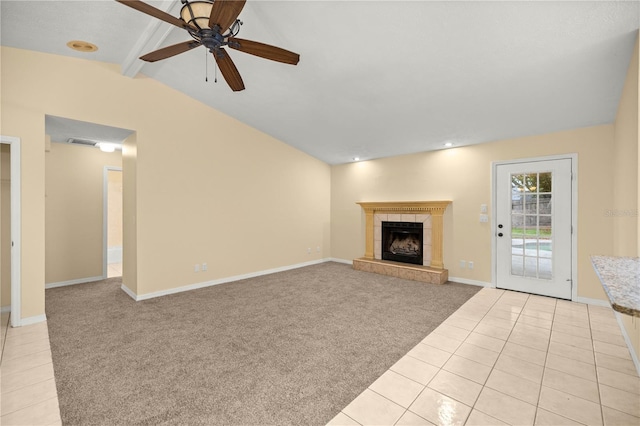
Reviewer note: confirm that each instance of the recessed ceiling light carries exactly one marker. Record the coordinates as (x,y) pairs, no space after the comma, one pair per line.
(448,144)
(356,158)
(82,46)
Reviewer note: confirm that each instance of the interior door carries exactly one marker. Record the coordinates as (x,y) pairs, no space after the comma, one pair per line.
(533,227)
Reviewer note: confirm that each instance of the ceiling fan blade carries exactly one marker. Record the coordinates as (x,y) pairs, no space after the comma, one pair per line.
(169,51)
(264,50)
(156,13)
(228,70)
(225,12)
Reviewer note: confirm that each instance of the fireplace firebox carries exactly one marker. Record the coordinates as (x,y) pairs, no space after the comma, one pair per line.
(402,242)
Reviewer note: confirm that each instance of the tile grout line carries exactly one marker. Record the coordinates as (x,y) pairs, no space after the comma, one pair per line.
(22,372)
(22,386)
(30,405)
(595,366)
(4,340)
(544,367)
(484,385)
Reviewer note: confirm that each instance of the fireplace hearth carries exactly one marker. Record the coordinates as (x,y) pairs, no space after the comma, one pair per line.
(402,242)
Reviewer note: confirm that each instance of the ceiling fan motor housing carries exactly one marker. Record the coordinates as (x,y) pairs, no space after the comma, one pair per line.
(211,39)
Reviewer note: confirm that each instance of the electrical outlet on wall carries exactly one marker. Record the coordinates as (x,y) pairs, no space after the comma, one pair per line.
(309,250)
(204,266)
(470,263)
(463,264)
(196,267)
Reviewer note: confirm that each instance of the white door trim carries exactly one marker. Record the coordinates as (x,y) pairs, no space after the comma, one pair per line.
(16,235)
(574,215)
(105,215)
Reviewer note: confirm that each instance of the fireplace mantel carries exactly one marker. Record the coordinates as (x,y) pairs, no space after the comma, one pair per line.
(434,208)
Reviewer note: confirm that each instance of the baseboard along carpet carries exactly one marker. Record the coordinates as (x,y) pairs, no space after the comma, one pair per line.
(293,347)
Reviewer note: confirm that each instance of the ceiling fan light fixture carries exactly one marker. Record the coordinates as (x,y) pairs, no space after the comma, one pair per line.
(197,13)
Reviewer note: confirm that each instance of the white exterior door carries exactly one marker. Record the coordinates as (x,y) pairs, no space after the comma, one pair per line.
(533,227)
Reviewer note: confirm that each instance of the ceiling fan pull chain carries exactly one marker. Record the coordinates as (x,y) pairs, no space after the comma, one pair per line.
(206,67)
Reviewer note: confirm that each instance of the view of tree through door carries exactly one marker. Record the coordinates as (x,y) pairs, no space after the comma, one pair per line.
(533,228)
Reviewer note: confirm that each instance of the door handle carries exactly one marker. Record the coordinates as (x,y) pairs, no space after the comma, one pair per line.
(500,226)
(499,234)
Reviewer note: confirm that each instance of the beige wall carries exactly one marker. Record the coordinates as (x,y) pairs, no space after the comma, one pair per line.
(5,225)
(74,180)
(114,207)
(207,187)
(21,121)
(626,188)
(463,175)
(625,178)
(129,209)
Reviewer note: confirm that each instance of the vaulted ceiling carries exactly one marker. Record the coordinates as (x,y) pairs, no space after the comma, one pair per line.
(375,78)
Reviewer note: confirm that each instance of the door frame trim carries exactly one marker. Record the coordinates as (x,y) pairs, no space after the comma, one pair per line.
(574,215)
(16,229)
(105,215)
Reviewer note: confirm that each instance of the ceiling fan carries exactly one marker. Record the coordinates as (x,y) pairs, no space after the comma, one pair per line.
(212,24)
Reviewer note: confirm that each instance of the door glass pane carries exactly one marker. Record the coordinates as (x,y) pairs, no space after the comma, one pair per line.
(530,267)
(544,182)
(531,230)
(530,183)
(531,204)
(531,226)
(544,202)
(517,246)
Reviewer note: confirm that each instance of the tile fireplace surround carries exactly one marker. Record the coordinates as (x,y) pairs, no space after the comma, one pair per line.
(430,213)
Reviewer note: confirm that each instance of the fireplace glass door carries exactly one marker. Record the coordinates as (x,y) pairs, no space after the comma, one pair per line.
(402,242)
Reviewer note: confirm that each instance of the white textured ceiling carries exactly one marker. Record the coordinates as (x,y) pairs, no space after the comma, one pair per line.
(376,78)
(62,129)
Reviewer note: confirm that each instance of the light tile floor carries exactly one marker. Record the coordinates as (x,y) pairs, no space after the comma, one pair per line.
(28,393)
(114,270)
(509,358)
(502,358)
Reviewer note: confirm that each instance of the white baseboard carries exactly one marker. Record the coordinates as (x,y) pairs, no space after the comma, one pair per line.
(470,282)
(73,282)
(129,292)
(594,302)
(634,355)
(5,309)
(114,255)
(196,286)
(33,320)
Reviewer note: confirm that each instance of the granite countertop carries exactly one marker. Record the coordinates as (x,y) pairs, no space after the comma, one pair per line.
(620,277)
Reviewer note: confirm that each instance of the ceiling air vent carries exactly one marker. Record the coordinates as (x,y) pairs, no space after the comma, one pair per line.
(84,142)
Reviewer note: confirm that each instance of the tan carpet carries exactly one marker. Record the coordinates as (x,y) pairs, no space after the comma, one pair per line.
(288,348)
